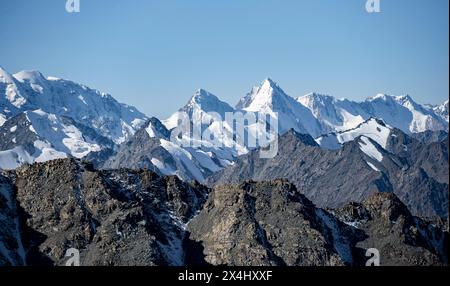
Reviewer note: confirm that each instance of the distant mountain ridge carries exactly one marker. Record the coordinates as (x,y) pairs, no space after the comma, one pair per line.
(49,118)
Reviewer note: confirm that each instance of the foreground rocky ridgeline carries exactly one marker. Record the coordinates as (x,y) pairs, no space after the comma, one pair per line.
(271,223)
(117,217)
(124,217)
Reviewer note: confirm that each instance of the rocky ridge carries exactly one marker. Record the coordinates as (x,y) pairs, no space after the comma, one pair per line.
(126,217)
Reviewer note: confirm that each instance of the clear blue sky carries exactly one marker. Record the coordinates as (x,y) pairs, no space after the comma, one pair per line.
(155,53)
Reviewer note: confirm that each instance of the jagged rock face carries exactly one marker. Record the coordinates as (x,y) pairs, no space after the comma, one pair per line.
(22,135)
(431,136)
(113,217)
(265,224)
(137,153)
(11,248)
(271,223)
(420,175)
(432,157)
(415,172)
(401,239)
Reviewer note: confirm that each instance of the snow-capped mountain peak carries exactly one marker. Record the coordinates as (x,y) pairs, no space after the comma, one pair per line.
(207,102)
(404,113)
(13,97)
(381,96)
(268,81)
(65,118)
(198,107)
(5,77)
(262,97)
(30,90)
(270,100)
(408,102)
(270,86)
(317,102)
(31,76)
(200,95)
(404,98)
(34,79)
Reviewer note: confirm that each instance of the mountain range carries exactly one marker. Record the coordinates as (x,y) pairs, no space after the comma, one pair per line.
(47,118)
(345,162)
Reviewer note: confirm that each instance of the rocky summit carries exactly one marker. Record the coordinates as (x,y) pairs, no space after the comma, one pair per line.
(271,223)
(137,217)
(112,217)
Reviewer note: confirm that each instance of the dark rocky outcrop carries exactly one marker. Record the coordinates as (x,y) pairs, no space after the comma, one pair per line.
(401,238)
(22,135)
(11,247)
(430,136)
(136,217)
(119,217)
(271,223)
